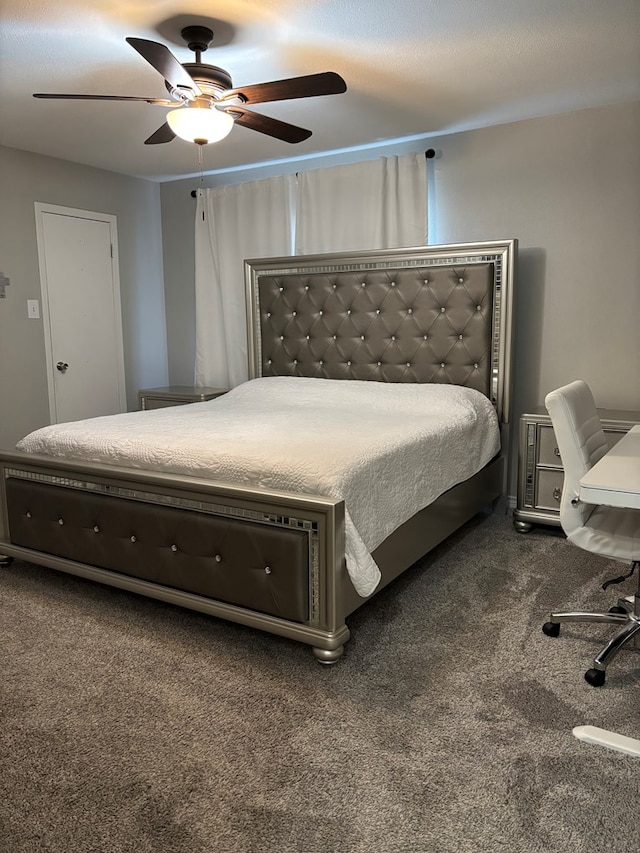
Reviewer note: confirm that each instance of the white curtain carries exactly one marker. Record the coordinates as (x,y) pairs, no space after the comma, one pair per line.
(234,223)
(375,204)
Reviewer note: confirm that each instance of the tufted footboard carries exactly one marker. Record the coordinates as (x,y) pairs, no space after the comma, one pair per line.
(256,565)
(270,560)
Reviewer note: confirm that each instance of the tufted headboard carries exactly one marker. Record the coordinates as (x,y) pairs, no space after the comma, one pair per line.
(425,314)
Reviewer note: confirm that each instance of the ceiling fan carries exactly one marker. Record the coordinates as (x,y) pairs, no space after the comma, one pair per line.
(205,101)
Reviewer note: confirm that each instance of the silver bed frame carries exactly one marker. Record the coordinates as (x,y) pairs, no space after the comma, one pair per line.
(315,316)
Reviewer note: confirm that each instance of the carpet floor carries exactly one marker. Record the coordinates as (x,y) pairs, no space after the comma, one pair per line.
(131,725)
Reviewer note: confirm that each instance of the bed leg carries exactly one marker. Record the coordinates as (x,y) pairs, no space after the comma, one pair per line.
(328,656)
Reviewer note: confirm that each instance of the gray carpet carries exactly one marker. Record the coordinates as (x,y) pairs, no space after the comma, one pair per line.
(130,725)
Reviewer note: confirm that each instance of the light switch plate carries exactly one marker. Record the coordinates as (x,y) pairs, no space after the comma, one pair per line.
(33,309)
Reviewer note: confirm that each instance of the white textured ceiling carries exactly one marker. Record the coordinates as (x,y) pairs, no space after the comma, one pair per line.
(413,68)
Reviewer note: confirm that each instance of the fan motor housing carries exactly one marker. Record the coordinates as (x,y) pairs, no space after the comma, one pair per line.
(209,75)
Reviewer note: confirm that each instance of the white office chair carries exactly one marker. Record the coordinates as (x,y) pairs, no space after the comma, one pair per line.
(610,531)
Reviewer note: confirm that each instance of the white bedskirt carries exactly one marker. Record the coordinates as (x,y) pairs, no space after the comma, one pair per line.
(388,450)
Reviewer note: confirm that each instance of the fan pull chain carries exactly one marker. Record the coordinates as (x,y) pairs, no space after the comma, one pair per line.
(200,161)
(201,167)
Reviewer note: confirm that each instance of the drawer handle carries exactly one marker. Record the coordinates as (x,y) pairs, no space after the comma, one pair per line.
(556,452)
(557,494)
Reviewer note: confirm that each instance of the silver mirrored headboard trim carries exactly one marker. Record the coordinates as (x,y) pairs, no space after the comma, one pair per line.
(501,254)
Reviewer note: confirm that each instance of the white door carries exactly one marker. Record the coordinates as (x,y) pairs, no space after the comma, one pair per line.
(77,251)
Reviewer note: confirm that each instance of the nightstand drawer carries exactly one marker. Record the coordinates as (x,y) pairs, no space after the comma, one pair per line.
(548,453)
(549,489)
(175,395)
(147,402)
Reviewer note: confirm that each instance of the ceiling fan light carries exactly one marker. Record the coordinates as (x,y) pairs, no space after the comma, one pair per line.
(196,124)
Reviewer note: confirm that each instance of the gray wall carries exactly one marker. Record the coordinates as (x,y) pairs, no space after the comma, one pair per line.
(24,179)
(567,186)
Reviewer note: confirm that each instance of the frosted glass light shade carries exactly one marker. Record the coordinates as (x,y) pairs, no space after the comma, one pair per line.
(196,124)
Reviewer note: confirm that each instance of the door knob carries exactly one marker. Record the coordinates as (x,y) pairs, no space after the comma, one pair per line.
(62,366)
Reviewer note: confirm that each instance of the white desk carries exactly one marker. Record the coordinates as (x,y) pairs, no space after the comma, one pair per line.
(615,479)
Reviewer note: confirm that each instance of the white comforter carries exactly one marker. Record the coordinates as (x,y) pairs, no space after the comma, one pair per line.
(387,450)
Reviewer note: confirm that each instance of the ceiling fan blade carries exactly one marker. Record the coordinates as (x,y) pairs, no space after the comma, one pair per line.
(161,101)
(270,126)
(165,62)
(162,134)
(327,83)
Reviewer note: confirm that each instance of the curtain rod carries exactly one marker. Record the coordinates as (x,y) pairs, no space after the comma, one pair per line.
(429,154)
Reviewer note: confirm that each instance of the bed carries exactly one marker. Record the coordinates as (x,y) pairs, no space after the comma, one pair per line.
(374,423)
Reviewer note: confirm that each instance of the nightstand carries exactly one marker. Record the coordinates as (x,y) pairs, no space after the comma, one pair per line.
(540,472)
(175,395)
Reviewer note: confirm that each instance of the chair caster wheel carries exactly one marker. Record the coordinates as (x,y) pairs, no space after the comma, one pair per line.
(551,629)
(617,609)
(5,561)
(595,677)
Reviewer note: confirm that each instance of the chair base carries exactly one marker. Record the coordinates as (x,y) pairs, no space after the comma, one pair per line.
(626,614)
